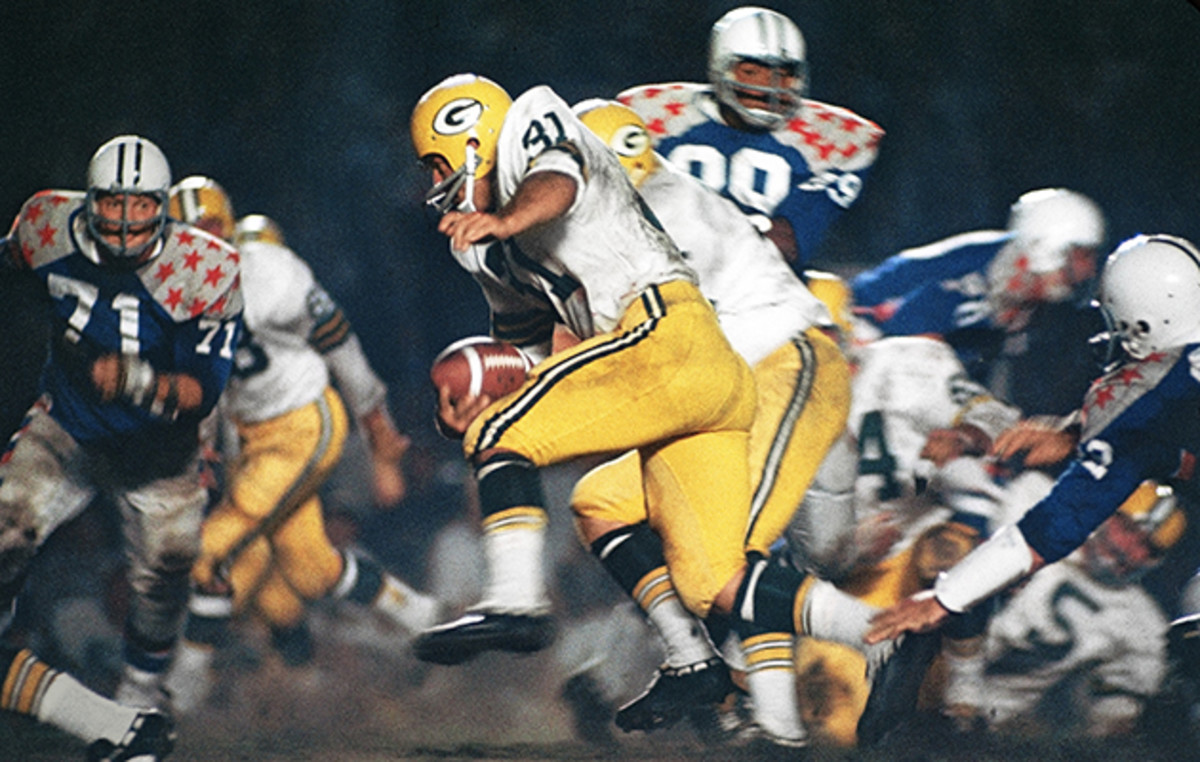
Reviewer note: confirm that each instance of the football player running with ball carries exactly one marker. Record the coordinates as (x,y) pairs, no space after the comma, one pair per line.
(792,163)
(541,212)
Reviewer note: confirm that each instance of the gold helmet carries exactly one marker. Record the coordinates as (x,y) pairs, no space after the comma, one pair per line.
(459,119)
(1135,539)
(258,227)
(837,296)
(624,132)
(201,201)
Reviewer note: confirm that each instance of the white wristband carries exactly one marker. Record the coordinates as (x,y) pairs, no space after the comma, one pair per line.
(990,568)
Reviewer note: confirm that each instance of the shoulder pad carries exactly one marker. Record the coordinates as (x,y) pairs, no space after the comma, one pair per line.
(43,226)
(195,274)
(832,136)
(672,108)
(1113,393)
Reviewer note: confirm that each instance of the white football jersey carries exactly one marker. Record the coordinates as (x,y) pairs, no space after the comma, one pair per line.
(905,387)
(1063,623)
(760,301)
(589,264)
(278,369)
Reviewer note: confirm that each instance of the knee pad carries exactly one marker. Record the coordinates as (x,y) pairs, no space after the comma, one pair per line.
(508,481)
(767,596)
(361,580)
(18,544)
(630,554)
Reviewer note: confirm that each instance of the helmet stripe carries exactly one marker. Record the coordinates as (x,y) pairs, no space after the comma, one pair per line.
(137,164)
(121,165)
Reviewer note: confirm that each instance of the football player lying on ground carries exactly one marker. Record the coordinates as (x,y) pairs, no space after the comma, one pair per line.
(1137,422)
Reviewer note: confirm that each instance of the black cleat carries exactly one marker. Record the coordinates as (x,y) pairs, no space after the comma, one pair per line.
(895,685)
(478,631)
(674,693)
(150,737)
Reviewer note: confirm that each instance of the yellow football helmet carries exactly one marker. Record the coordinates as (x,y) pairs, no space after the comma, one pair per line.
(201,201)
(1135,539)
(459,119)
(837,296)
(624,132)
(258,227)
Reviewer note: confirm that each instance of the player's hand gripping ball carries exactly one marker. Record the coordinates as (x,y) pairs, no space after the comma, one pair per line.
(479,365)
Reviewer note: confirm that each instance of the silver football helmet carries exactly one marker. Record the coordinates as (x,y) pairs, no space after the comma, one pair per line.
(1047,223)
(1150,294)
(133,166)
(768,38)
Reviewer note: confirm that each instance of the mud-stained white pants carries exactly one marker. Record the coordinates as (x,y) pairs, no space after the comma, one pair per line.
(47,479)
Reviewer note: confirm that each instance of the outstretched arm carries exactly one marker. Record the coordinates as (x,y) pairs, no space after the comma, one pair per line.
(989,569)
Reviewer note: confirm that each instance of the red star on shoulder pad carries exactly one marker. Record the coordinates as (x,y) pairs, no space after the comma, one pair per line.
(192,261)
(174,297)
(656,126)
(652,92)
(233,255)
(33,213)
(214,245)
(676,107)
(165,270)
(1104,395)
(217,307)
(197,306)
(1155,357)
(185,238)
(47,234)
(58,199)
(213,275)
(1129,375)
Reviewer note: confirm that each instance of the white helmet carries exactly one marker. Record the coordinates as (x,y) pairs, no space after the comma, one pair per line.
(765,37)
(1150,294)
(128,164)
(1047,223)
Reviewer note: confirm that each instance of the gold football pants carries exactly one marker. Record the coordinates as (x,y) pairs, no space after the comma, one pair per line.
(666,383)
(803,392)
(268,535)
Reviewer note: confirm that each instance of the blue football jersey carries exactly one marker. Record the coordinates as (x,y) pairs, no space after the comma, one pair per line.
(1140,421)
(807,172)
(180,311)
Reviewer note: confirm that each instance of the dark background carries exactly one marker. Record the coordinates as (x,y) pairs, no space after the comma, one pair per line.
(300,109)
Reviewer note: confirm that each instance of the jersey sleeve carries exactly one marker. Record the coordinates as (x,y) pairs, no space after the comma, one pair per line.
(1134,446)
(204,345)
(540,134)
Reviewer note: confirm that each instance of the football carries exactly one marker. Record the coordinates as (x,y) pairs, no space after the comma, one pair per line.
(479,365)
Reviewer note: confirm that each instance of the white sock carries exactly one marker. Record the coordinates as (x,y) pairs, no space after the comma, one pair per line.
(189,678)
(776,706)
(513,548)
(830,614)
(70,707)
(411,610)
(684,636)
